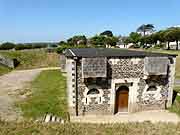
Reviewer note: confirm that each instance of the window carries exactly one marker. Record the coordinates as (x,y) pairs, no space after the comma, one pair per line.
(93,91)
(152,88)
(98,81)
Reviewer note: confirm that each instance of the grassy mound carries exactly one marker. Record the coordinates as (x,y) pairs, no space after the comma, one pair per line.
(30,59)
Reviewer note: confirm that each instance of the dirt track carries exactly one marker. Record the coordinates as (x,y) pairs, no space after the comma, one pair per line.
(10,85)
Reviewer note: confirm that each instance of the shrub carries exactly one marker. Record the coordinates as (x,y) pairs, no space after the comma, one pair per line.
(7,46)
(34,46)
(62,48)
(159,46)
(22,47)
(29,46)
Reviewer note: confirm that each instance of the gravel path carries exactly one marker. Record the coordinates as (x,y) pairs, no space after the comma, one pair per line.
(11,84)
(153,116)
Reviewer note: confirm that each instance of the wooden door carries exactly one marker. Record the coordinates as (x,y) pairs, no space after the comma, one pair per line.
(122,100)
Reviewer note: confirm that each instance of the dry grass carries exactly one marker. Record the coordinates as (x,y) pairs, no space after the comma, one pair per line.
(32,128)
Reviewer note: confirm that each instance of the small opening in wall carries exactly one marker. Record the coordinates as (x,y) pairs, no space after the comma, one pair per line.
(152,88)
(100,99)
(86,100)
(93,91)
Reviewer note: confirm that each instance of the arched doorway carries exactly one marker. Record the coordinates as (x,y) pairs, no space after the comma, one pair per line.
(121,103)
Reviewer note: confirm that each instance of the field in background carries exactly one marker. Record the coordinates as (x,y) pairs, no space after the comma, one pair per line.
(48,96)
(145,128)
(30,59)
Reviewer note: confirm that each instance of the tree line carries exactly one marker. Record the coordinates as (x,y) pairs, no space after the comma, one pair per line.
(102,40)
(144,36)
(158,38)
(21,46)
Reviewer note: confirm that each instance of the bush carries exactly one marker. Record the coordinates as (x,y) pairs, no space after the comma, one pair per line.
(62,48)
(22,47)
(29,46)
(159,46)
(35,46)
(7,46)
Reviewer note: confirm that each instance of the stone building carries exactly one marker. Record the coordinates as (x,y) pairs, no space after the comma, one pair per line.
(109,81)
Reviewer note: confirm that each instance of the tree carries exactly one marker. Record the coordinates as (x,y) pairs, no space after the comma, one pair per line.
(169,37)
(134,38)
(111,41)
(126,40)
(77,40)
(7,46)
(107,33)
(176,36)
(103,41)
(62,43)
(154,38)
(145,28)
(161,35)
(97,41)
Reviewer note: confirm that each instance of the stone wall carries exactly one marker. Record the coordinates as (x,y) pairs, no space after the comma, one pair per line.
(152,99)
(94,67)
(120,71)
(92,104)
(11,63)
(62,59)
(120,68)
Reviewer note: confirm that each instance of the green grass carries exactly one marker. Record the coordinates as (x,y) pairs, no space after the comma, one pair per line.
(176,106)
(4,70)
(177,88)
(32,128)
(48,96)
(30,59)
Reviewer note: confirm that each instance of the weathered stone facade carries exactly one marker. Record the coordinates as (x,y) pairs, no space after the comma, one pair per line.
(97,95)
(120,68)
(91,104)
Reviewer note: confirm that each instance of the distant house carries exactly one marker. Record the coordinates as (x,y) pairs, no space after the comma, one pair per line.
(173,45)
(110,81)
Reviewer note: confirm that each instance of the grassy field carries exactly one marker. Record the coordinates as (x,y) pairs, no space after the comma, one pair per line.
(48,96)
(4,70)
(176,106)
(146,128)
(30,59)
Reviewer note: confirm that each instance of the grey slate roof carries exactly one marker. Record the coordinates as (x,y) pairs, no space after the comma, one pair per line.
(111,52)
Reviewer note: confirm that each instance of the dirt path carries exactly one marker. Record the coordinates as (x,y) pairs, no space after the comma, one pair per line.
(10,85)
(153,116)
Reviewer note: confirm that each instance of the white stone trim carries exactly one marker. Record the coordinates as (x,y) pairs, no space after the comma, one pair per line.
(93,95)
(132,96)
